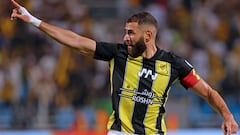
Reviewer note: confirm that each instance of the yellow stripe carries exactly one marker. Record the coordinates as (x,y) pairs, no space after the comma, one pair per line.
(195,74)
(111,121)
(126,105)
(111,118)
(164,128)
(158,88)
(111,67)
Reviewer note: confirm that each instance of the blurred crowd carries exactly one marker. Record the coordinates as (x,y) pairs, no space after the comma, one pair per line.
(46,85)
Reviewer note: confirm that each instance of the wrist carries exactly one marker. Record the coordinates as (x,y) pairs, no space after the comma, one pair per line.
(227,116)
(31,19)
(35,21)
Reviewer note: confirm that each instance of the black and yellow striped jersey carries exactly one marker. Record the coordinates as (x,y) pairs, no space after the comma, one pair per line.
(140,87)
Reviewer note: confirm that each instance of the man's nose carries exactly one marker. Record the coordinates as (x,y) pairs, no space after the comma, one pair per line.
(126,37)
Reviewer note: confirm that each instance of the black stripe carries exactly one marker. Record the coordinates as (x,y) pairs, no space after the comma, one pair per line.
(140,109)
(118,78)
(162,109)
(159,120)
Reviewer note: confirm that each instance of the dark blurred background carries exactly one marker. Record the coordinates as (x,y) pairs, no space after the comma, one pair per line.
(44,85)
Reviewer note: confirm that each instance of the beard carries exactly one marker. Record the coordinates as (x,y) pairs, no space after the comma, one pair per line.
(137,49)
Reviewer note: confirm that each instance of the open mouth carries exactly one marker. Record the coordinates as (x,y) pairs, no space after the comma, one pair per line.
(129,46)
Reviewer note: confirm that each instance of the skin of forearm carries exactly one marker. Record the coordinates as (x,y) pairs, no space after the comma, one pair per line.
(212,97)
(217,103)
(67,38)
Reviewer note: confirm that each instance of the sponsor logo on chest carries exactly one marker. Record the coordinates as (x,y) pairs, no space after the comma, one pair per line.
(147,73)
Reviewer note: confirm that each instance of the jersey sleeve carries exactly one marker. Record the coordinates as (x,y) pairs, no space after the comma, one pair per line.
(105,51)
(190,79)
(187,75)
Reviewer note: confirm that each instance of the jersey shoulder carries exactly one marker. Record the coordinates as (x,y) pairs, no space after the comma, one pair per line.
(168,56)
(178,64)
(107,51)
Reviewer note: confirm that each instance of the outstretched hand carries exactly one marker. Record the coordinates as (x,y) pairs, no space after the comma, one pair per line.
(15,4)
(229,126)
(20,12)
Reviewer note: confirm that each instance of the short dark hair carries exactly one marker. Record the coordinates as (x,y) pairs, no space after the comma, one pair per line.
(143,18)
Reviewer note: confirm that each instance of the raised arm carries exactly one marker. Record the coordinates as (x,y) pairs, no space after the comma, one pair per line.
(229,125)
(68,38)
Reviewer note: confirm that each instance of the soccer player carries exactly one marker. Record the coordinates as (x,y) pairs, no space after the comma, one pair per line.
(141,74)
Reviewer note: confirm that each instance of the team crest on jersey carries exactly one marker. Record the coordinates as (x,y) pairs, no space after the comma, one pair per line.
(163,68)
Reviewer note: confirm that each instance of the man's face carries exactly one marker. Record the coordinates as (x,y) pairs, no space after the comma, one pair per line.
(134,39)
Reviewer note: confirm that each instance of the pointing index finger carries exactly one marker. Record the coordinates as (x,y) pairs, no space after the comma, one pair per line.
(15,4)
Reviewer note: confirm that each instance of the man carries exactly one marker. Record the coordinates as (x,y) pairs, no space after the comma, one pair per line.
(141,74)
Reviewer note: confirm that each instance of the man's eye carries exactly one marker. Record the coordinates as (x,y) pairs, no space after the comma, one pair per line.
(129,32)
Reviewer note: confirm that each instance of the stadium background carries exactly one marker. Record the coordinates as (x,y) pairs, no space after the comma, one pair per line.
(45,87)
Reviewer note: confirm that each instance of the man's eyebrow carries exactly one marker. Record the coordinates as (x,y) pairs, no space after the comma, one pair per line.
(129,31)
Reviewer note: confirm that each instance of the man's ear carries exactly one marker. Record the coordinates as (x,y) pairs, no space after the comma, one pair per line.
(148,35)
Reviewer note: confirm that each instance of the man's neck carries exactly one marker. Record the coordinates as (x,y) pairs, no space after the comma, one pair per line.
(150,51)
